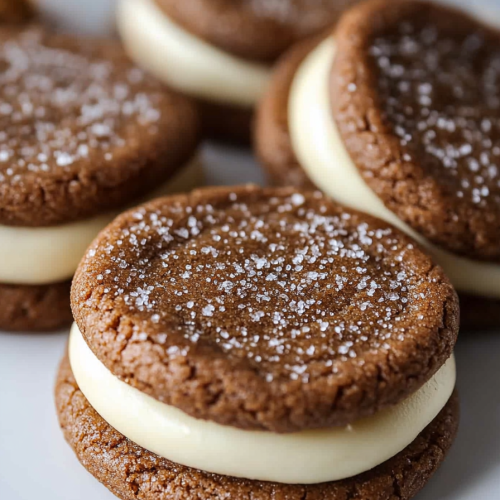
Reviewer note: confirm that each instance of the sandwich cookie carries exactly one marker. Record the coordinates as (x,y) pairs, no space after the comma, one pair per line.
(84,134)
(257,343)
(220,52)
(398,114)
(15,11)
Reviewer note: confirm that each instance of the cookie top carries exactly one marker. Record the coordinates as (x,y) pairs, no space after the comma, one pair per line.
(264,308)
(254,29)
(416,95)
(15,11)
(82,130)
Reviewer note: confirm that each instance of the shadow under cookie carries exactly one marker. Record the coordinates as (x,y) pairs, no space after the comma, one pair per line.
(226,123)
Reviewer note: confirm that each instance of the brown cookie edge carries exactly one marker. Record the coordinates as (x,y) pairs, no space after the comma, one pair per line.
(35,308)
(272,139)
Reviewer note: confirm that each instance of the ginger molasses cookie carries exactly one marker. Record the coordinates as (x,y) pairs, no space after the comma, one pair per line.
(84,134)
(220,52)
(274,326)
(366,116)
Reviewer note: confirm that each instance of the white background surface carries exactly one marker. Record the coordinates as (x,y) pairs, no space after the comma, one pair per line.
(36,463)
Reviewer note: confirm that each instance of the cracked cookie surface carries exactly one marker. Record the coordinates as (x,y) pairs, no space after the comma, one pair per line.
(83,131)
(264,308)
(131,472)
(415,94)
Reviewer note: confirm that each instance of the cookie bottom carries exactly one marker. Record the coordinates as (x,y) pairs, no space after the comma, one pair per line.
(226,123)
(479,313)
(35,308)
(131,472)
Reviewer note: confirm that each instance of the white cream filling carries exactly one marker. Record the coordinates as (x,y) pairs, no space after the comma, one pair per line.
(186,62)
(43,255)
(307,457)
(321,152)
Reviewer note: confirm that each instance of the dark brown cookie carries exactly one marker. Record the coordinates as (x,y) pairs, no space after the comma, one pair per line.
(254,29)
(83,131)
(416,96)
(15,11)
(479,313)
(226,123)
(264,308)
(131,472)
(35,308)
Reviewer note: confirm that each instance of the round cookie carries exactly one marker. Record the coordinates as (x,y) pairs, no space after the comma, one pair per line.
(131,472)
(220,52)
(36,308)
(92,134)
(15,11)
(323,287)
(415,179)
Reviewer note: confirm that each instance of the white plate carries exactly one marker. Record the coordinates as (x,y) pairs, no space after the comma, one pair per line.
(36,463)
